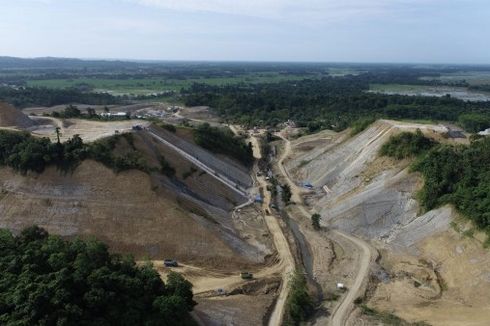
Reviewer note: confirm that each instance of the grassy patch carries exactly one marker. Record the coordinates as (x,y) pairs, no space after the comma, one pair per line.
(360,125)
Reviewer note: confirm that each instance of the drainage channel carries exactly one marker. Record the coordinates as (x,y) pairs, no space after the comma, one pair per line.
(306,258)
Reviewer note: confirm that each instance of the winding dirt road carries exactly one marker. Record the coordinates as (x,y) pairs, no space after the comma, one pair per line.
(342,311)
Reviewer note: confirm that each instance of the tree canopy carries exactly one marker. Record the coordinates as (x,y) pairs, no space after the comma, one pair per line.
(220,140)
(459,175)
(45,280)
(406,144)
(326,103)
(24,153)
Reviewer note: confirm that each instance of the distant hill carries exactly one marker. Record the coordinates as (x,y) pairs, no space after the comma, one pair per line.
(63,63)
(12,117)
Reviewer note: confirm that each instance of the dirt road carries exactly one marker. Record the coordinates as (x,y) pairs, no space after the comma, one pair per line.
(341,313)
(88,130)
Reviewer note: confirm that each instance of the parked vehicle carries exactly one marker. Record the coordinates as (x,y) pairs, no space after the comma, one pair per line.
(170,263)
(221,292)
(246,275)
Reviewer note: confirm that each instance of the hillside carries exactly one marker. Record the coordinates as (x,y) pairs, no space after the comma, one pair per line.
(12,117)
(180,215)
(423,273)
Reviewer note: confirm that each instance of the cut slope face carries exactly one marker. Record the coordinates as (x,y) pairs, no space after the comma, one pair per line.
(121,210)
(367,195)
(149,215)
(434,274)
(11,117)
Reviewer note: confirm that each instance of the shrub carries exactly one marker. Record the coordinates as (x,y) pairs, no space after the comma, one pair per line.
(406,144)
(223,141)
(299,304)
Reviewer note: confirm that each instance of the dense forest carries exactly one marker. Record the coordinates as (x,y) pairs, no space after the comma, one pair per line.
(45,280)
(407,144)
(330,102)
(453,174)
(219,140)
(459,175)
(36,96)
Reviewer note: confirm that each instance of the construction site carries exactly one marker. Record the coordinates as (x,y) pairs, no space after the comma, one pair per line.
(228,231)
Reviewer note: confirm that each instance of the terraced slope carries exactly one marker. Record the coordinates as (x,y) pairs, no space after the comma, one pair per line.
(181,216)
(428,271)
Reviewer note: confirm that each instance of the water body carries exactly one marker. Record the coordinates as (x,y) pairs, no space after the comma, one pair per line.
(439,91)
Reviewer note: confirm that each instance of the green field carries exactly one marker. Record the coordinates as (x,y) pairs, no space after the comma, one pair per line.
(145,86)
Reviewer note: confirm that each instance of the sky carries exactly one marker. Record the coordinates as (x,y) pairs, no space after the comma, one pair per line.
(408,31)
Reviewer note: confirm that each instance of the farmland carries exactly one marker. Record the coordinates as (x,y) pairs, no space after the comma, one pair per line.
(151,85)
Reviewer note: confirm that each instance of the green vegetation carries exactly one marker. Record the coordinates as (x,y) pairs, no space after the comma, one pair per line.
(72,111)
(406,144)
(166,168)
(24,97)
(286,193)
(326,103)
(474,122)
(45,280)
(458,175)
(155,85)
(360,125)
(168,127)
(315,221)
(299,305)
(24,153)
(219,140)
(103,151)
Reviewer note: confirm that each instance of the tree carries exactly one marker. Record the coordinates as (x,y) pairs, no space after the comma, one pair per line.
(72,111)
(91,112)
(45,280)
(286,193)
(58,134)
(315,221)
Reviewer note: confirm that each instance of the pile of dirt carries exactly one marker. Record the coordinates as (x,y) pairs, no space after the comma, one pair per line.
(11,117)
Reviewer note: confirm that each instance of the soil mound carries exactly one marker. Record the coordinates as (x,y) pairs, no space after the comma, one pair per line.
(12,117)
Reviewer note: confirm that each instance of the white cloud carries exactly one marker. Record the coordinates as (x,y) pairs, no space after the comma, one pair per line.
(288,10)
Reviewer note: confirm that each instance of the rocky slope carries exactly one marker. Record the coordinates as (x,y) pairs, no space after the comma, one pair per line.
(429,271)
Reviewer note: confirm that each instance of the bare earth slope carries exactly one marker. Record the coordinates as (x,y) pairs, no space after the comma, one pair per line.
(431,272)
(11,117)
(155,216)
(119,209)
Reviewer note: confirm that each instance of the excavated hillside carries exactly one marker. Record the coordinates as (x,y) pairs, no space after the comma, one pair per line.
(427,271)
(180,215)
(11,117)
